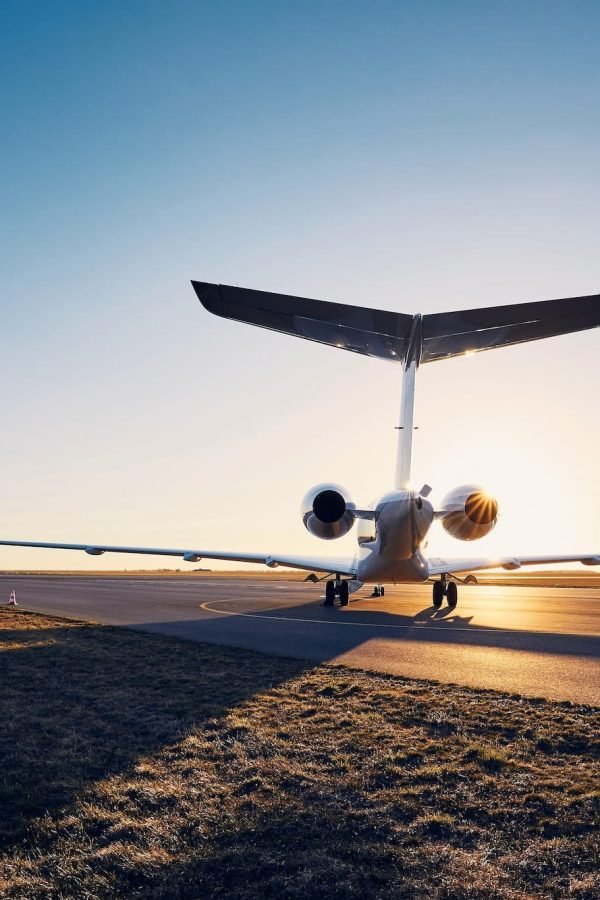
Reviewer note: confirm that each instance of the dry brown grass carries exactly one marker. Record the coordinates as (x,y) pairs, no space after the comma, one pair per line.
(143,766)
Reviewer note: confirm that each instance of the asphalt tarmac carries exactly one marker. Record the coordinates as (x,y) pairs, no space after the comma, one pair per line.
(541,642)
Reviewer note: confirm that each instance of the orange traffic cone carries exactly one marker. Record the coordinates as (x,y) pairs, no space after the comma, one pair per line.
(13,599)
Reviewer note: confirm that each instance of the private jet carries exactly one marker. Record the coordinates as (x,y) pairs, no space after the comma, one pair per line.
(392,532)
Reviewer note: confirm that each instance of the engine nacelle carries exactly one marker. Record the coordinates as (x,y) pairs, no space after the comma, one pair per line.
(328,511)
(469,513)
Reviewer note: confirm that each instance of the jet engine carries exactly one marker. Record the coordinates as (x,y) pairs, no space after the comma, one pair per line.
(328,511)
(468,513)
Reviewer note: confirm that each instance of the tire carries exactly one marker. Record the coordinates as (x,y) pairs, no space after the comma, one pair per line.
(452,594)
(329,593)
(344,591)
(438,594)
(382,591)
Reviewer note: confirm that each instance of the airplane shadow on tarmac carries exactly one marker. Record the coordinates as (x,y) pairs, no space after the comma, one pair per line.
(313,632)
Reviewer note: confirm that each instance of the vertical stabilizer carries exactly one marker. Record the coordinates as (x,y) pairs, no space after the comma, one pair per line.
(405,428)
(410,364)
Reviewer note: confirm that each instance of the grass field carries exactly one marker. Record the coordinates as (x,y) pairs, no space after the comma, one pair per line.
(143,766)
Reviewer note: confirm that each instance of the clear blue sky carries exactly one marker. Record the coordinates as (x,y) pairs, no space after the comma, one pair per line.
(411,156)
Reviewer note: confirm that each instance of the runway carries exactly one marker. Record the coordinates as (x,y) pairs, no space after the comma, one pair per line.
(532,641)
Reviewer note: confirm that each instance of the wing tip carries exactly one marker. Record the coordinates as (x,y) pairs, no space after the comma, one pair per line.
(208,294)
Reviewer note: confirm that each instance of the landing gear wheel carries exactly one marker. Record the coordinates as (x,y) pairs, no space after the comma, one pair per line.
(438,594)
(452,594)
(381,590)
(344,591)
(329,593)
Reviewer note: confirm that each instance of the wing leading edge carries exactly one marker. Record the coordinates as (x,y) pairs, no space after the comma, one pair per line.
(344,566)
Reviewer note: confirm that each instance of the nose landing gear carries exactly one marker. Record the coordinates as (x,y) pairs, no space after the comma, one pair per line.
(336,588)
(444,588)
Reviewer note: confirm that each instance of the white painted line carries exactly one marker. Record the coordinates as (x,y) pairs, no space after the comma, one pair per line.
(474,629)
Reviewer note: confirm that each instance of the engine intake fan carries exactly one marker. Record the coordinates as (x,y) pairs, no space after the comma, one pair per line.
(468,513)
(328,511)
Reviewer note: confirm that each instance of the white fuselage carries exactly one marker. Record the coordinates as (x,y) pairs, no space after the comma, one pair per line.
(390,545)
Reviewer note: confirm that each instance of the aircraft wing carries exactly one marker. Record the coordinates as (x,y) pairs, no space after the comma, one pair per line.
(344,566)
(439,566)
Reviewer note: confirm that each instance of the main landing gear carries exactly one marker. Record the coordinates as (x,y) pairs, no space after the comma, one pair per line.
(444,588)
(336,588)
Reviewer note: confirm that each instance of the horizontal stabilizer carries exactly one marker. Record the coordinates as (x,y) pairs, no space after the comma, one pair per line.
(371,332)
(392,335)
(473,330)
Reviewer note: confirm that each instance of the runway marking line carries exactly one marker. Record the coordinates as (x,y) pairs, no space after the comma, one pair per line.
(473,630)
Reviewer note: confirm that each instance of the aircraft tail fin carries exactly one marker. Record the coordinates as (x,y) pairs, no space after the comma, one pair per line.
(391,335)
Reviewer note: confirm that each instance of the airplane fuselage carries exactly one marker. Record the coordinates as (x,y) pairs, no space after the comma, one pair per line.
(389,548)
